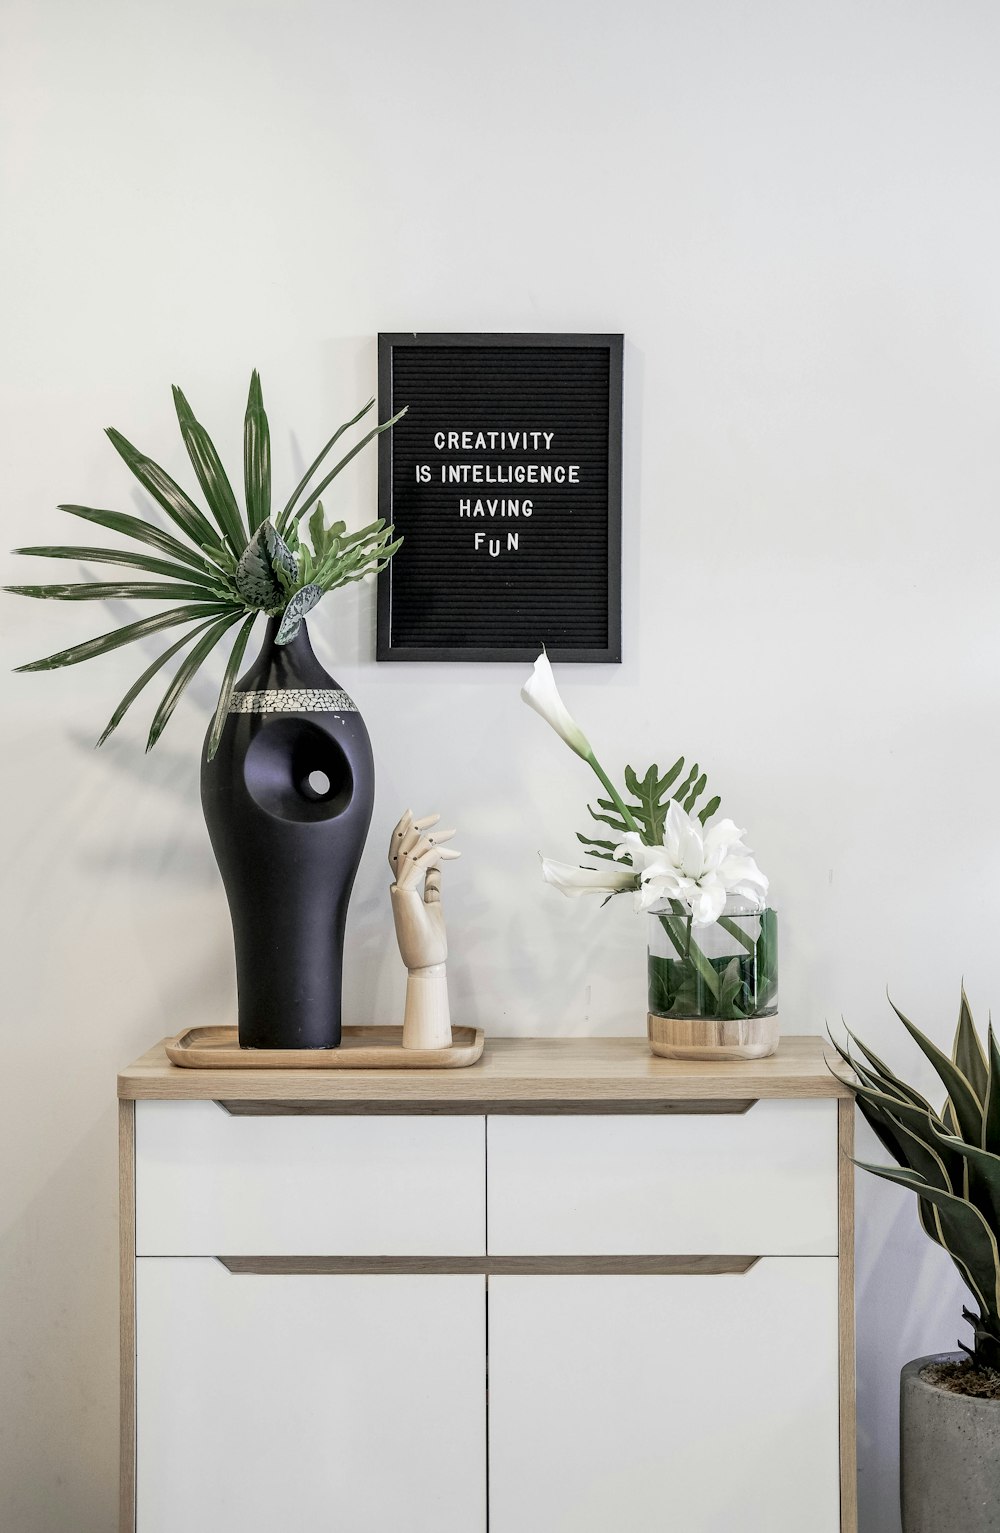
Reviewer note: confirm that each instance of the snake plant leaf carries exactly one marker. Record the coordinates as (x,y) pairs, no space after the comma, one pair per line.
(165,491)
(116,590)
(105,642)
(301,603)
(962,1099)
(147,676)
(184,673)
(256,457)
(226,690)
(142,532)
(211,475)
(127,560)
(964,1230)
(290,504)
(967,1051)
(991,1107)
(983,1174)
(331,476)
(890,1082)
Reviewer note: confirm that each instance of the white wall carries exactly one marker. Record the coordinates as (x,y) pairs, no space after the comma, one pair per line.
(791,211)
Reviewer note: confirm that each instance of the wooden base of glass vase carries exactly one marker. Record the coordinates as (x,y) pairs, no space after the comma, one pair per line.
(705,1038)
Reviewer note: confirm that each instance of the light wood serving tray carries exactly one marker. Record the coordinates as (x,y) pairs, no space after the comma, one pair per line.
(361,1048)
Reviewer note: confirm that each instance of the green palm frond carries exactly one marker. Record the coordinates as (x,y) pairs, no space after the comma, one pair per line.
(212,477)
(220,574)
(950,1159)
(256,457)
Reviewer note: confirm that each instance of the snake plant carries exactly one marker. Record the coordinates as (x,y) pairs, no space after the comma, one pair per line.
(950,1159)
(224,568)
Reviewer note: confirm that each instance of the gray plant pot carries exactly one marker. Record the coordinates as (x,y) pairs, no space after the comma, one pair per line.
(949,1456)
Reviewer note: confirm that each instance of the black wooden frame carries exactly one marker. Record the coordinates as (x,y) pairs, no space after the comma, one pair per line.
(615,346)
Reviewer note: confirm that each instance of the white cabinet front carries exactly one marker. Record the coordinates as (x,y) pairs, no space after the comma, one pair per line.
(210,1184)
(646,1404)
(760,1183)
(308,1402)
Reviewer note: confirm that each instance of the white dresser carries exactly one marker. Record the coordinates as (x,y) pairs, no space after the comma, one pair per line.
(572,1289)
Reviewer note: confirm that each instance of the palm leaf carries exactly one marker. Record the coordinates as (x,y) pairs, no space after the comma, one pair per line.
(961,1097)
(226,690)
(105,642)
(256,457)
(183,675)
(359,447)
(115,590)
(314,465)
(147,676)
(143,532)
(165,491)
(211,475)
(127,559)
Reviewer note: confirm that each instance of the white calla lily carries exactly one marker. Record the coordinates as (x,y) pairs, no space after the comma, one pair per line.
(574,881)
(541,693)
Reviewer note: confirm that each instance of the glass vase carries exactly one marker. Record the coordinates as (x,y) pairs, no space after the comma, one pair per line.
(713,990)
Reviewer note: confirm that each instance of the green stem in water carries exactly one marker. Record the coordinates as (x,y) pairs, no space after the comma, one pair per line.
(735,930)
(694,952)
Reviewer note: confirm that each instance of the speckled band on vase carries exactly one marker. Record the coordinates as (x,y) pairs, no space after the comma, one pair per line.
(290,700)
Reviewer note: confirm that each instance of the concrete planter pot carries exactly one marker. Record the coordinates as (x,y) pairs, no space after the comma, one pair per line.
(949,1456)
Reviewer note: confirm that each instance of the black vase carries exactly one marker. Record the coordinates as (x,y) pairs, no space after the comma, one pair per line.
(288,801)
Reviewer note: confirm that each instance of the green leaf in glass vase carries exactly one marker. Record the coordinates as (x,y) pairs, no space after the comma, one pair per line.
(730,986)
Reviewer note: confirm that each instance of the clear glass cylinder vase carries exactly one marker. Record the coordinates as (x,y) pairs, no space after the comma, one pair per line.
(726,971)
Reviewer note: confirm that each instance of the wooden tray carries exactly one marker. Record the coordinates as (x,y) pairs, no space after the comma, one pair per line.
(362,1048)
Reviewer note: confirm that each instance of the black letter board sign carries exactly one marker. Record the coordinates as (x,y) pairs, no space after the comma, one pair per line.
(504,480)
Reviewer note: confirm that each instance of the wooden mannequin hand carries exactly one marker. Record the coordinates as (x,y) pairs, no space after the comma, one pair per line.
(416,852)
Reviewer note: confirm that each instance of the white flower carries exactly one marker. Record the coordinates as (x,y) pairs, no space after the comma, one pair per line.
(699,867)
(609,879)
(541,693)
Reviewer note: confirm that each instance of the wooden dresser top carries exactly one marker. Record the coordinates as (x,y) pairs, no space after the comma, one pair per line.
(532,1071)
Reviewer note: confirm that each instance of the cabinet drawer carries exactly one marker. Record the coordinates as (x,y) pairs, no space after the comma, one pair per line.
(208,1184)
(763,1183)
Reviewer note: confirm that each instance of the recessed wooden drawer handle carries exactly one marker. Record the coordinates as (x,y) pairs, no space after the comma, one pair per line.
(714,1107)
(491,1266)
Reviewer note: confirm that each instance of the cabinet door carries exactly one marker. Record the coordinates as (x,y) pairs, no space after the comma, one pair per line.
(702,1404)
(308,1402)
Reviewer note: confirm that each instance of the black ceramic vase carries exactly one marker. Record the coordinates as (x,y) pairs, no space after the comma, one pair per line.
(288,801)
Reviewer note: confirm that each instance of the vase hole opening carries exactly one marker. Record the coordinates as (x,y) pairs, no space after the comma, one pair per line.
(317,784)
(296,771)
